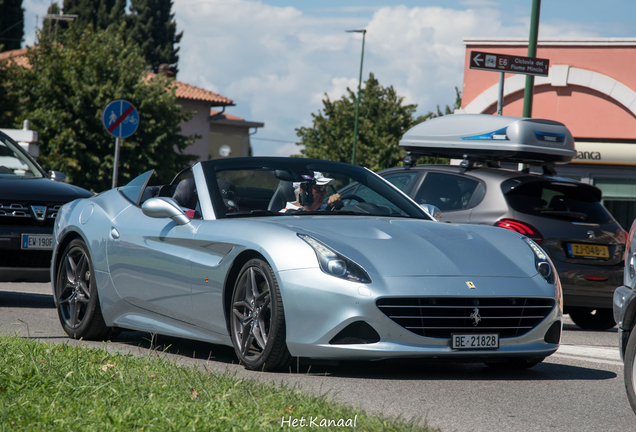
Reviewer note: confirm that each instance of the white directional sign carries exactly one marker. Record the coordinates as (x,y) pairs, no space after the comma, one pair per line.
(508,63)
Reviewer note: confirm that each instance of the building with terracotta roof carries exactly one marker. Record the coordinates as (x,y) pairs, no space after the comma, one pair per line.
(218,131)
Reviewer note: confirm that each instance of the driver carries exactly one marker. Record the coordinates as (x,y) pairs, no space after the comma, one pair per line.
(310,195)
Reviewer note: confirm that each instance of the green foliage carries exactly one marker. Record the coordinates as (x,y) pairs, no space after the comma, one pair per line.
(47,387)
(9,102)
(97,13)
(152,26)
(63,95)
(11,24)
(382,121)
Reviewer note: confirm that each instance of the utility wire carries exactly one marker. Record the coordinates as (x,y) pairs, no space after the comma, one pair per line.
(7,29)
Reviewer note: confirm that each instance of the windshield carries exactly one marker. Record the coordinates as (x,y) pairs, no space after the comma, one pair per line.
(244,187)
(13,162)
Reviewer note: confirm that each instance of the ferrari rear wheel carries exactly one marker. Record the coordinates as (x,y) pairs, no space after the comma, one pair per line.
(258,319)
(630,369)
(516,363)
(593,319)
(76,295)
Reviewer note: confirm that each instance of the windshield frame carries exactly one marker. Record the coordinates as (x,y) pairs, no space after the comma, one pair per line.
(296,168)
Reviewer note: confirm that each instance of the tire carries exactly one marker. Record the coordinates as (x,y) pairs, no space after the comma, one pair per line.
(630,369)
(76,296)
(517,363)
(257,323)
(592,319)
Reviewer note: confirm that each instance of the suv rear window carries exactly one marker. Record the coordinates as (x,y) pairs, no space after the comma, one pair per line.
(558,200)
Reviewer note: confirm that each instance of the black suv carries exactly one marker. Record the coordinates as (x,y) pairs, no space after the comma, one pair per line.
(29,201)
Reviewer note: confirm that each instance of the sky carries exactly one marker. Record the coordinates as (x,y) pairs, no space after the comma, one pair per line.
(278,59)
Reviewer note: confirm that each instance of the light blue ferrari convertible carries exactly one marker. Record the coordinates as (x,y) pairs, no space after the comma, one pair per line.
(265,255)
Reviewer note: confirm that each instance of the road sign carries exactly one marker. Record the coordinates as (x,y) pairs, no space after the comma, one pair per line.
(120,118)
(508,63)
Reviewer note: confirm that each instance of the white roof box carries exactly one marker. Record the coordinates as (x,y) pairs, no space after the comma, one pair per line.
(484,137)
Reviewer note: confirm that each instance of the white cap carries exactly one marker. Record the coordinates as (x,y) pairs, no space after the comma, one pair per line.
(320,179)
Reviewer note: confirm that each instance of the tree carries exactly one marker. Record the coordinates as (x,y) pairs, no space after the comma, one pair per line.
(383,119)
(98,13)
(11,24)
(64,92)
(153,28)
(9,105)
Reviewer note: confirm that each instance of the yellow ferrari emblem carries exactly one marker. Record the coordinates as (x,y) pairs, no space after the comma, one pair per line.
(470,285)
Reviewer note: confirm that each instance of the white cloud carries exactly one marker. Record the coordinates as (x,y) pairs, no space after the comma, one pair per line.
(276,63)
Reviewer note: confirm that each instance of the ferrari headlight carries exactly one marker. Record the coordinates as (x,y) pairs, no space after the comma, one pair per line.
(542,262)
(335,264)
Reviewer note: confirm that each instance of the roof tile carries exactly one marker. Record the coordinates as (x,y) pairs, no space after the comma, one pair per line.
(183,90)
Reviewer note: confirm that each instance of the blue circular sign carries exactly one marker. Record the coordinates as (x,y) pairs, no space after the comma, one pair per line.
(120,118)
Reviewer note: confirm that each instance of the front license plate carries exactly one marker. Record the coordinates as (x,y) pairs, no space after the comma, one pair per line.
(474,341)
(37,241)
(588,251)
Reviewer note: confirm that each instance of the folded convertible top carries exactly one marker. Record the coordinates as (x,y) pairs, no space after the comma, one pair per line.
(483,137)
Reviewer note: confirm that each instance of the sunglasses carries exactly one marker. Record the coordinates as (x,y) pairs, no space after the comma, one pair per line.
(323,188)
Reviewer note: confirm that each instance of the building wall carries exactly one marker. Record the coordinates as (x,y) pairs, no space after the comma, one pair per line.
(236,137)
(595,98)
(586,111)
(198,125)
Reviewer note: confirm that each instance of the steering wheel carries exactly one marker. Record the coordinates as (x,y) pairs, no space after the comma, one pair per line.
(351,197)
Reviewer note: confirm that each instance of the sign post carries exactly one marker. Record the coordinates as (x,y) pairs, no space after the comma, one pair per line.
(503,63)
(120,119)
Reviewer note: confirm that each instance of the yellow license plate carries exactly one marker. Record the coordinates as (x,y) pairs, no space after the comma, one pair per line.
(587,250)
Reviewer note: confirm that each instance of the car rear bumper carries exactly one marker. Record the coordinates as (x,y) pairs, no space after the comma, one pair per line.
(23,265)
(581,292)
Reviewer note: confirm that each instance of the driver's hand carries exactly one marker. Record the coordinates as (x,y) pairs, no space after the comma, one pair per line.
(335,201)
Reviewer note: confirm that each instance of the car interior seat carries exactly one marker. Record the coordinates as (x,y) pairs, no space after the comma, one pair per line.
(284,193)
(186,194)
(149,192)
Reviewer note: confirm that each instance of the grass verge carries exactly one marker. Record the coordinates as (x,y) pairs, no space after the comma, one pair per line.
(60,387)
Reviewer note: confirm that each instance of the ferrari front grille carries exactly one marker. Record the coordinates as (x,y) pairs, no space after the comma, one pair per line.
(439,317)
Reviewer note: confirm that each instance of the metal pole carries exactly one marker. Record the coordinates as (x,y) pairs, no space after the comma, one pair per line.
(355,128)
(501,94)
(116,163)
(532,52)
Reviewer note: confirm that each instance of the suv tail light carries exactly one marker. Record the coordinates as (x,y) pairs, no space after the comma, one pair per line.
(522,228)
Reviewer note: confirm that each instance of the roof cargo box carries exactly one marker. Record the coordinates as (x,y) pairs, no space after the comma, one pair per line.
(483,137)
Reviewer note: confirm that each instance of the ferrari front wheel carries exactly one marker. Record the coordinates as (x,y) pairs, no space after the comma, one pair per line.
(76,295)
(258,319)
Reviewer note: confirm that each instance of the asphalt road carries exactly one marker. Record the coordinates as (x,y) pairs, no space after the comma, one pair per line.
(580,388)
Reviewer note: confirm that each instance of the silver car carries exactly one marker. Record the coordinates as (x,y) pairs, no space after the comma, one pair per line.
(212,257)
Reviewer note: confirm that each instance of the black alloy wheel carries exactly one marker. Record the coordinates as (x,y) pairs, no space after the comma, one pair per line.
(76,295)
(258,319)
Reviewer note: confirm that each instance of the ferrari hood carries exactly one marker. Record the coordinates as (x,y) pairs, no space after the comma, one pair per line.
(402,247)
